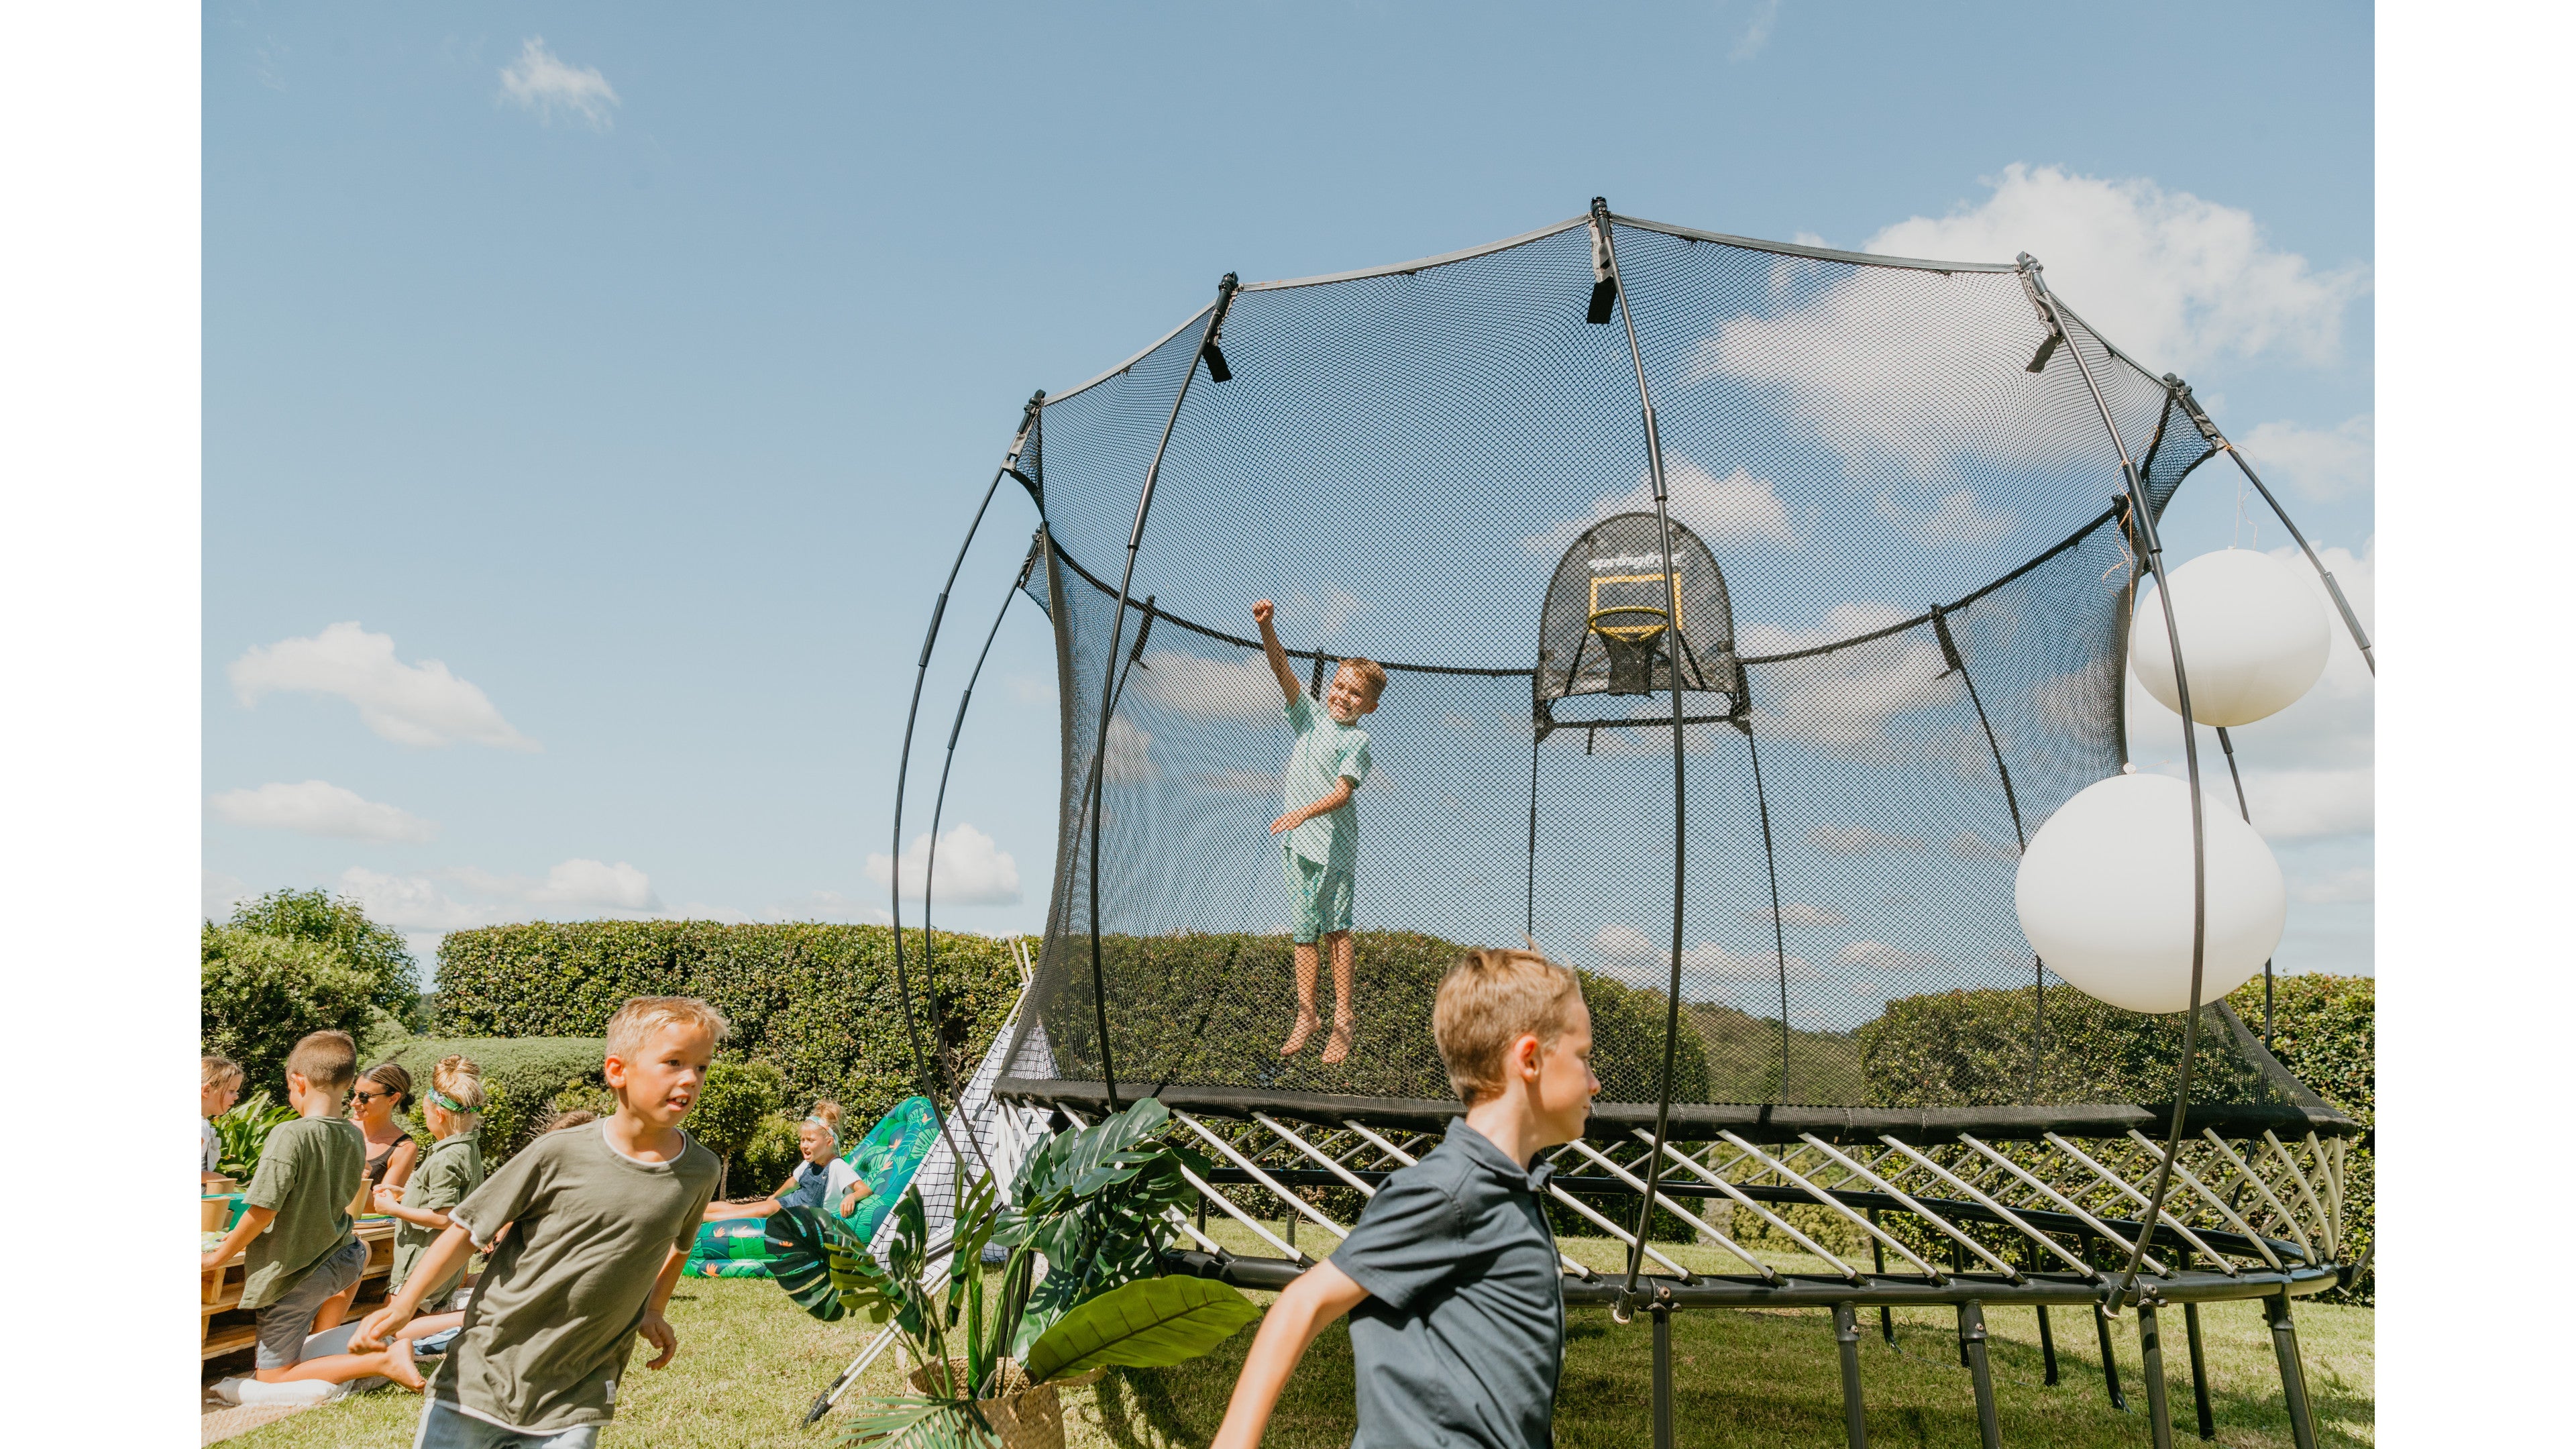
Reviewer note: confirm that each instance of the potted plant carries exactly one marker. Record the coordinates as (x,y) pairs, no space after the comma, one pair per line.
(1095,1205)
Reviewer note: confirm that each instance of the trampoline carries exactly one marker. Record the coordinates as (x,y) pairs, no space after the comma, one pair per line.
(1745,607)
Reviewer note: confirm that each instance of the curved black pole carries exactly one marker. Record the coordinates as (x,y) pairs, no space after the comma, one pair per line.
(2143,521)
(1109,683)
(2209,430)
(938,807)
(1607,251)
(903,766)
(1529,930)
(1779,929)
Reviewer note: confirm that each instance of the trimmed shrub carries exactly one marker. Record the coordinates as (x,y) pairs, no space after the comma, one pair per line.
(257,995)
(816,1000)
(735,1099)
(522,1078)
(1214,1007)
(339,924)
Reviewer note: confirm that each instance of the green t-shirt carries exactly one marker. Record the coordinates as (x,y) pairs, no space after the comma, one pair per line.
(553,1318)
(1326,753)
(451,1171)
(308,1171)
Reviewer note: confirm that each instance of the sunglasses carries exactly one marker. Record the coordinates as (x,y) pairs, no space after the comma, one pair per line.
(360,1099)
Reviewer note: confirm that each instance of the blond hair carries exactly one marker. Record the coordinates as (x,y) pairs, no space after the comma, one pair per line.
(220,1072)
(326,1060)
(826,1114)
(1372,675)
(1490,999)
(643,1015)
(460,1081)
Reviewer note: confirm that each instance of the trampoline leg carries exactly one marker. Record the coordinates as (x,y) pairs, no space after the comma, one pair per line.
(1663,1376)
(2151,1367)
(2110,1365)
(1847,1338)
(1878,1265)
(2199,1370)
(2047,1350)
(2294,1377)
(1972,1341)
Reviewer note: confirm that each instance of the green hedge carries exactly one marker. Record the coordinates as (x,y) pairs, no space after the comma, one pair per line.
(2324,1031)
(258,994)
(522,1076)
(1212,1009)
(816,1000)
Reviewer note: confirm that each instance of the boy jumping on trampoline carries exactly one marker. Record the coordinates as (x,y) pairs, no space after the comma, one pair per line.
(1327,763)
(1450,1276)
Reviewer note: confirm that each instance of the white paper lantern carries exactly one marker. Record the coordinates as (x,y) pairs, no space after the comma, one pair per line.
(2104,894)
(2253,637)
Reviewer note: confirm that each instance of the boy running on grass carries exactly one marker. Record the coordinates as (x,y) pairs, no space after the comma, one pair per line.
(1450,1275)
(600,1225)
(1327,763)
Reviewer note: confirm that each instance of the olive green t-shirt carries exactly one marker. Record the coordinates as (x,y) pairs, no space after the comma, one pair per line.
(553,1319)
(308,1171)
(452,1169)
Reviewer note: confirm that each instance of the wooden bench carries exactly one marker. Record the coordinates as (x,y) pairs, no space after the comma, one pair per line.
(225,1326)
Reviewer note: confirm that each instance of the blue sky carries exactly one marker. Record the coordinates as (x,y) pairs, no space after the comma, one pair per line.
(642,373)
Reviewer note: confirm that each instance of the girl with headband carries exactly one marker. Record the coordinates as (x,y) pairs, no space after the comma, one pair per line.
(451,1169)
(822,1180)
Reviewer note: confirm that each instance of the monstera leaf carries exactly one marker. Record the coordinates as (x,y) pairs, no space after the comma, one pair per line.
(1151,1323)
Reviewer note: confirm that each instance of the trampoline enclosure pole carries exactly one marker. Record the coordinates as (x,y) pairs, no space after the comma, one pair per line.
(903,762)
(2209,430)
(2143,523)
(1608,251)
(1109,681)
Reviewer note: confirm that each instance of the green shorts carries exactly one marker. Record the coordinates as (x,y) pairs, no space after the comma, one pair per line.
(1323,897)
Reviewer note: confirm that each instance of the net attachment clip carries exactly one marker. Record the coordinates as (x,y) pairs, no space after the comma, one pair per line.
(1605,282)
(2028,270)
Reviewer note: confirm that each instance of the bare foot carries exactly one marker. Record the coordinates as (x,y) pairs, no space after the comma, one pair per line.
(398,1366)
(1338,1045)
(1307,1021)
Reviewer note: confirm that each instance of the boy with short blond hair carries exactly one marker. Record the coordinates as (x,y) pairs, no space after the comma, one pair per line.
(1328,761)
(600,1222)
(218,1088)
(1450,1275)
(294,1232)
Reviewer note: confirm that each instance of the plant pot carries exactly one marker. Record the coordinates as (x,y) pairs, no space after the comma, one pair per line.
(1025,1417)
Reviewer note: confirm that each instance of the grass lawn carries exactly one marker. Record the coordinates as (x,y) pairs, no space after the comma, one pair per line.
(750,1362)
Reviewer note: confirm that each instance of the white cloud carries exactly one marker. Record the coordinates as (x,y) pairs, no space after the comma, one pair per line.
(1842,702)
(2353,883)
(539,82)
(1241,687)
(218,893)
(2306,804)
(1969,845)
(2174,280)
(1318,617)
(1880,957)
(410,704)
(1877,364)
(1130,757)
(1737,508)
(1757,31)
(1861,840)
(971,870)
(1957,518)
(318,807)
(574,883)
(2318,463)
(579,887)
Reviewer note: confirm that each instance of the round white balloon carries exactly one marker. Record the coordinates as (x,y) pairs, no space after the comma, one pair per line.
(2253,637)
(2104,894)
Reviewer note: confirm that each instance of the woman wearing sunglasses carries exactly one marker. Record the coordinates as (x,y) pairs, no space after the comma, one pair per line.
(376,1105)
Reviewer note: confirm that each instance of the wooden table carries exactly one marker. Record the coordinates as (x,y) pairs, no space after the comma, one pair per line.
(226,1326)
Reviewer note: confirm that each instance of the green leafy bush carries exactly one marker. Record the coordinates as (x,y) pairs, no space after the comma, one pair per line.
(1212,1008)
(818,1000)
(339,924)
(732,1103)
(257,995)
(522,1079)
(771,1155)
(243,1133)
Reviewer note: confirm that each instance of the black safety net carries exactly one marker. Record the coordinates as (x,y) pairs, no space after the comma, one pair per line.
(1905,561)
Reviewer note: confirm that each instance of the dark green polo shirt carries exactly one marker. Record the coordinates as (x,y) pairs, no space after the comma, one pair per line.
(1461,1338)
